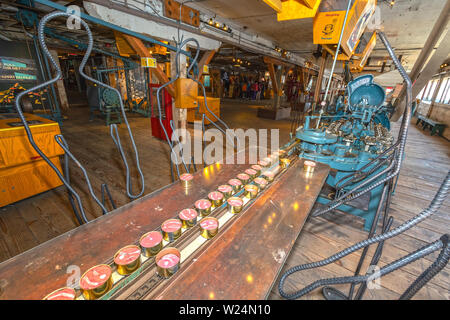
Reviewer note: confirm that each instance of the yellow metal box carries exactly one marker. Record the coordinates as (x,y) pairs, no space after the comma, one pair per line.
(23,173)
(186,92)
(213,105)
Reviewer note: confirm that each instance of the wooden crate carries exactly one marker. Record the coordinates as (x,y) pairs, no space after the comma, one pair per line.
(213,105)
(23,173)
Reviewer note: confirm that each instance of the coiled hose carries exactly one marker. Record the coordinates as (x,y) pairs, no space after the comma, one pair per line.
(113,128)
(401,142)
(432,208)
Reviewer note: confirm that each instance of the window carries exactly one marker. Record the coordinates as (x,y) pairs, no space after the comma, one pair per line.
(446,98)
(427,90)
(441,92)
(430,93)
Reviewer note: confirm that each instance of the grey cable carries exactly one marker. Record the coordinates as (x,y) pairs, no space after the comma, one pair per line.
(432,208)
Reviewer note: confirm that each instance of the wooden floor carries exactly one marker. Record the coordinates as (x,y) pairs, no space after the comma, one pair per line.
(30,222)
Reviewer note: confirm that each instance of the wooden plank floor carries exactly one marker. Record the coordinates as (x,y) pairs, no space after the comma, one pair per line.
(30,222)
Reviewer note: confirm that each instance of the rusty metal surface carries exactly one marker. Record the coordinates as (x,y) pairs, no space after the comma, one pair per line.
(245,259)
(36,272)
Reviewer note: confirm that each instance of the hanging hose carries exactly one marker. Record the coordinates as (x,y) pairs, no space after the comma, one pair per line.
(41,36)
(400,144)
(63,144)
(432,208)
(432,270)
(177,76)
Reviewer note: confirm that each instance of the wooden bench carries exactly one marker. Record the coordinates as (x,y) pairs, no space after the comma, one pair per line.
(434,126)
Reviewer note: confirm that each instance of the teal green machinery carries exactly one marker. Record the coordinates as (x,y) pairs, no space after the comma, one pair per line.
(347,141)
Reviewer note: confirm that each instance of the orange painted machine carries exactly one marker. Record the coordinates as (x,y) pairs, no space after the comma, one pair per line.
(23,173)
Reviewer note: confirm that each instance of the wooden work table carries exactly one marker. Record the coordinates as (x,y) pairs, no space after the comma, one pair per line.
(241,262)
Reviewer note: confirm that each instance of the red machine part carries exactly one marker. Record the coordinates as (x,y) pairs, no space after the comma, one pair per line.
(166,112)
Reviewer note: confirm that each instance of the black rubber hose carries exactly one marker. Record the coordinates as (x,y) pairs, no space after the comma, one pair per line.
(432,208)
(422,252)
(432,271)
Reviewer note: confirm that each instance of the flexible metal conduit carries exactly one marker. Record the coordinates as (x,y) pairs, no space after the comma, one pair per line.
(177,76)
(433,207)
(81,216)
(400,144)
(113,128)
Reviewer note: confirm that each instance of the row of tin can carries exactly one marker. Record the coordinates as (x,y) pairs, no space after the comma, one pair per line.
(97,280)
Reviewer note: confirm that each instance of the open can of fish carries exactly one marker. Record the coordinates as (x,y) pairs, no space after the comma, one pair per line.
(235,204)
(251,191)
(151,243)
(269,176)
(186,180)
(285,162)
(226,190)
(309,166)
(257,168)
(96,281)
(209,227)
(188,217)
(171,229)
(65,293)
(128,259)
(261,182)
(216,198)
(245,178)
(264,163)
(252,173)
(168,262)
(203,207)
(236,184)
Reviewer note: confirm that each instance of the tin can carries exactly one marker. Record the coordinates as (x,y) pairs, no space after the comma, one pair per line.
(309,166)
(284,162)
(257,168)
(265,163)
(245,178)
(65,293)
(151,243)
(216,198)
(269,176)
(251,191)
(235,204)
(96,281)
(226,190)
(203,207)
(171,229)
(186,180)
(236,184)
(209,227)
(188,217)
(167,262)
(252,173)
(261,183)
(128,259)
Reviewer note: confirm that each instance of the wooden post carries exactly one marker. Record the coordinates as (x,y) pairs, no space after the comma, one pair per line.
(143,51)
(61,90)
(205,60)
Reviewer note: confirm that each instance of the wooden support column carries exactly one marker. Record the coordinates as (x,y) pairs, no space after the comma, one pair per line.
(205,60)
(273,78)
(60,88)
(318,88)
(142,51)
